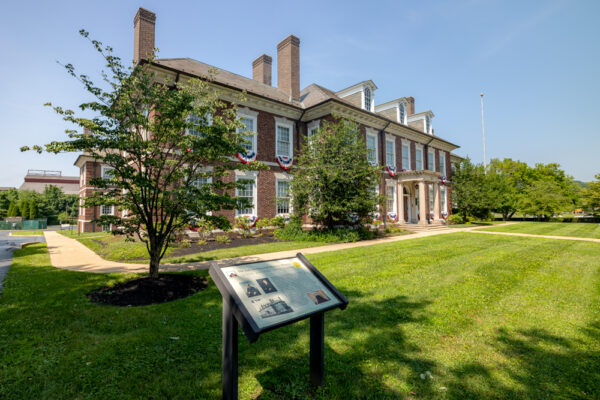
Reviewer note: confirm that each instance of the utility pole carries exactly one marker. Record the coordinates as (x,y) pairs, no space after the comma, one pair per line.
(483,134)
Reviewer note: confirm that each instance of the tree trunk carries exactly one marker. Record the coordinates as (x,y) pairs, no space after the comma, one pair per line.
(154,264)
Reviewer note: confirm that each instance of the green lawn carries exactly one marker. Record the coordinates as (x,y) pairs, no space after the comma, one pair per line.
(27,233)
(577,229)
(477,316)
(115,248)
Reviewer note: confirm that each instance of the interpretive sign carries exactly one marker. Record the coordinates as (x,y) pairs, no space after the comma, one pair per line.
(266,295)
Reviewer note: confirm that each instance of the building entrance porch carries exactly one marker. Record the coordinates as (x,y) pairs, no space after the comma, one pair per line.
(419,197)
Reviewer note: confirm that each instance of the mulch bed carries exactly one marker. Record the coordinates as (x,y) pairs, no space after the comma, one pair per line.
(211,244)
(144,291)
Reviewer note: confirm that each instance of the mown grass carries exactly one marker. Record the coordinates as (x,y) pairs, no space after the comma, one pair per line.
(453,316)
(115,248)
(587,230)
(27,233)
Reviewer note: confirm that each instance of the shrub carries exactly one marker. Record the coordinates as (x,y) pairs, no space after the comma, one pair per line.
(335,235)
(278,222)
(263,223)
(223,239)
(455,219)
(205,227)
(244,224)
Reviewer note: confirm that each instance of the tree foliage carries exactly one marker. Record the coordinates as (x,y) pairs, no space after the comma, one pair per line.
(333,180)
(161,138)
(591,195)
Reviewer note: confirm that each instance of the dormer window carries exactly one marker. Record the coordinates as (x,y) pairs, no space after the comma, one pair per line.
(428,124)
(402,114)
(367,95)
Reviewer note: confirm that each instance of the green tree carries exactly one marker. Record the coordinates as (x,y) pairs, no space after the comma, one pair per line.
(23,208)
(13,209)
(591,195)
(544,199)
(471,190)
(333,180)
(33,210)
(508,180)
(138,129)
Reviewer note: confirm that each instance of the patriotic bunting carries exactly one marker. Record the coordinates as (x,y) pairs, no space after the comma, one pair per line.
(285,162)
(247,158)
(391,170)
(444,180)
(392,216)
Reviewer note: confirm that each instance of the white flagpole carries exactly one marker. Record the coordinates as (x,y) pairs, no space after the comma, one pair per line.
(483,134)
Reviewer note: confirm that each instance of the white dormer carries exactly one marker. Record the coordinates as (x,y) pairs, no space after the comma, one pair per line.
(422,121)
(396,110)
(361,95)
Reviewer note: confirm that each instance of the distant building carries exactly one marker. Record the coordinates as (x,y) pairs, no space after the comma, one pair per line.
(37,180)
(6,188)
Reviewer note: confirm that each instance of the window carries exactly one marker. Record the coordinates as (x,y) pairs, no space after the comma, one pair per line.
(313,127)
(405,156)
(372,148)
(453,167)
(427,124)
(199,182)
(390,195)
(197,124)
(106,210)
(367,94)
(106,172)
(419,159)
(82,176)
(251,138)
(390,153)
(431,199)
(442,163)
(283,197)
(247,191)
(444,200)
(431,160)
(284,142)
(402,114)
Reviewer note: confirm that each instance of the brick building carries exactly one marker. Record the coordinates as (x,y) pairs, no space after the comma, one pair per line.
(38,180)
(402,141)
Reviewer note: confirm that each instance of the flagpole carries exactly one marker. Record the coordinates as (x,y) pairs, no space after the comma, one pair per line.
(483,133)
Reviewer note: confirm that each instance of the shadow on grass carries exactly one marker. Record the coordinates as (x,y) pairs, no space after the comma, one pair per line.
(542,364)
(361,344)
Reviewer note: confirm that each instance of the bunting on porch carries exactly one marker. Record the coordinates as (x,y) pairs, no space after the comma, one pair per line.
(285,162)
(247,158)
(251,219)
(444,180)
(375,216)
(444,215)
(392,217)
(391,170)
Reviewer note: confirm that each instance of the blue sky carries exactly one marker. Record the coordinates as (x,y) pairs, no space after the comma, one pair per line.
(536,61)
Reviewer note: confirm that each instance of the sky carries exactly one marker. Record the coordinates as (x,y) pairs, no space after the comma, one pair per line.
(537,62)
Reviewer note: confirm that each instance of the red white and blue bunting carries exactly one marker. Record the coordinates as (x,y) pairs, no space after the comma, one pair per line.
(285,162)
(392,217)
(375,216)
(251,219)
(247,158)
(444,180)
(391,170)
(444,215)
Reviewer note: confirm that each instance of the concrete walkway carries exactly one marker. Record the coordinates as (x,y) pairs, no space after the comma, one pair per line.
(70,254)
(8,244)
(582,239)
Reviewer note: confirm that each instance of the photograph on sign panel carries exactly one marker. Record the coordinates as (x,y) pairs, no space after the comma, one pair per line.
(272,307)
(318,296)
(266,285)
(250,289)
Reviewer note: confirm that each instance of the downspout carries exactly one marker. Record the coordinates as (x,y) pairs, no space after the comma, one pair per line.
(383,151)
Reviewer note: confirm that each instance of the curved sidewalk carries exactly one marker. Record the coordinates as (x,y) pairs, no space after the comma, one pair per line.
(67,253)
(582,239)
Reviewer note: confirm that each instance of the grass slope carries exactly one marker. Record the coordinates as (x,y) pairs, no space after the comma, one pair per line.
(487,317)
(587,230)
(115,248)
(27,233)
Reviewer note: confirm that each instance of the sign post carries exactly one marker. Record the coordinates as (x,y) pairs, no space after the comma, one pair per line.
(267,295)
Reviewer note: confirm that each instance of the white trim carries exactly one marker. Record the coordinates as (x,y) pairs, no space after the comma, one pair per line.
(112,210)
(373,133)
(316,124)
(442,157)
(249,175)
(244,112)
(444,197)
(104,168)
(277,180)
(419,146)
(431,156)
(391,138)
(391,183)
(406,143)
(282,176)
(284,123)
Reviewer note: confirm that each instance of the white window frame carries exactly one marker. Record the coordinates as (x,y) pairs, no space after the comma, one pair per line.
(248,175)
(402,118)
(428,129)
(312,128)
(112,210)
(419,148)
(392,139)
(407,144)
(103,170)
(431,199)
(431,159)
(244,112)
(370,98)
(82,176)
(283,178)
(284,123)
(442,158)
(372,133)
(443,196)
(391,184)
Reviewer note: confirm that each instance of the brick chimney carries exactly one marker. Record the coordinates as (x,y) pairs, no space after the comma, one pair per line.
(143,34)
(410,105)
(261,69)
(288,66)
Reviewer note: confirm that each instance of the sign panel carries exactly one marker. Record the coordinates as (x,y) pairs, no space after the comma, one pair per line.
(275,292)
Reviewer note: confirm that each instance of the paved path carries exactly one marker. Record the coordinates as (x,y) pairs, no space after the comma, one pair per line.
(583,239)
(70,254)
(7,245)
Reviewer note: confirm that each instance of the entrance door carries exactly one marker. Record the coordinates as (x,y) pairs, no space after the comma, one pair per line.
(406,200)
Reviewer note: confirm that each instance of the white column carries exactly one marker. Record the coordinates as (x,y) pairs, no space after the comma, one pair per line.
(422,204)
(436,202)
(400,203)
